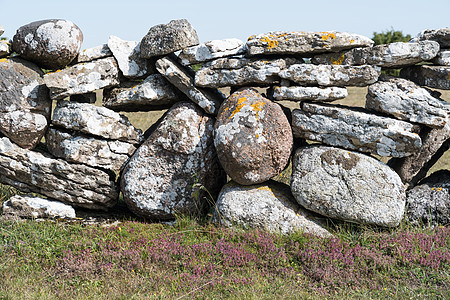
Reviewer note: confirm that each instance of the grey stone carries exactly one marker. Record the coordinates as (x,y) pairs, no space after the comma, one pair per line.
(406,101)
(171,170)
(429,202)
(78,148)
(443,58)
(27,206)
(392,55)
(74,184)
(5,49)
(128,56)
(301,93)
(25,105)
(331,75)
(268,206)
(84,98)
(431,76)
(154,93)
(183,79)
(163,39)
(253,137)
(87,55)
(83,78)
(301,43)
(347,185)
(94,120)
(355,129)
(211,50)
(51,44)
(241,71)
(2,30)
(442,36)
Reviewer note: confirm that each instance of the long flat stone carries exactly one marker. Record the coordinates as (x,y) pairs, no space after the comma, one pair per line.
(302,93)
(443,58)
(442,36)
(355,129)
(101,51)
(432,76)
(211,50)
(27,206)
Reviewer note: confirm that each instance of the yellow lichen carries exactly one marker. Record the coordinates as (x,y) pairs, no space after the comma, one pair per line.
(257,108)
(3,60)
(327,35)
(270,43)
(352,41)
(337,61)
(239,106)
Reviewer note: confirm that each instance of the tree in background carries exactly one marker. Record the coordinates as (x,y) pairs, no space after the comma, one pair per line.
(390,36)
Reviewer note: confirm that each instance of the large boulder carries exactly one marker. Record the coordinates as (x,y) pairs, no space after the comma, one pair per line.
(25,104)
(253,137)
(431,76)
(268,206)
(51,44)
(211,50)
(31,207)
(171,171)
(347,185)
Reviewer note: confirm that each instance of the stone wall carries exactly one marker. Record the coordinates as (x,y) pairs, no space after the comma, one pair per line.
(180,165)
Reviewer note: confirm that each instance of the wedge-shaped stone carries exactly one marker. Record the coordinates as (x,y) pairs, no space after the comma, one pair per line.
(443,58)
(101,51)
(78,148)
(275,209)
(183,79)
(154,93)
(301,93)
(27,206)
(241,71)
(392,55)
(331,75)
(73,184)
(347,185)
(432,76)
(98,121)
(300,42)
(442,36)
(128,56)
(211,50)
(83,78)
(355,129)
(405,100)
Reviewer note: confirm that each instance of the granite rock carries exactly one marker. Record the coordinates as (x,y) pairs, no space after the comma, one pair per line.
(211,50)
(27,206)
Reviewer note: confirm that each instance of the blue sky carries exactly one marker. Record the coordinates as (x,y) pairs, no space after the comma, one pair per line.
(131,19)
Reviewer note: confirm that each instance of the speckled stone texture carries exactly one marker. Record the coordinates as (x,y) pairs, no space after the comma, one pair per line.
(211,50)
(24,102)
(253,137)
(27,206)
(164,176)
(431,76)
(128,56)
(443,58)
(442,36)
(269,206)
(51,44)
(86,55)
(302,93)
(347,185)
(5,48)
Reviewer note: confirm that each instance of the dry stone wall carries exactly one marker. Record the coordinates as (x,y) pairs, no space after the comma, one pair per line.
(180,164)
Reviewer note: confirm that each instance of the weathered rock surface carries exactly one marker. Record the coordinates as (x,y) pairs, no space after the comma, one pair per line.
(84,98)
(24,102)
(163,39)
(429,202)
(331,75)
(252,137)
(78,148)
(443,58)
(94,120)
(241,71)
(36,208)
(392,55)
(51,44)
(128,56)
(155,92)
(101,51)
(73,184)
(284,42)
(406,101)
(183,79)
(83,78)
(431,76)
(355,129)
(268,206)
(347,185)
(211,50)
(4,49)
(301,93)
(178,155)
(2,30)
(442,36)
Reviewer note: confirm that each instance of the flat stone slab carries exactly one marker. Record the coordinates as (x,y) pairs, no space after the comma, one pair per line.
(355,129)
(183,79)
(241,71)
(27,206)
(405,100)
(442,36)
(86,55)
(302,93)
(331,75)
(274,211)
(73,184)
(94,120)
(392,55)
(347,185)
(301,43)
(211,50)
(128,56)
(81,149)
(443,58)
(5,48)
(154,93)
(83,78)
(432,76)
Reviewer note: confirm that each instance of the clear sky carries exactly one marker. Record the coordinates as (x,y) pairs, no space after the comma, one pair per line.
(131,19)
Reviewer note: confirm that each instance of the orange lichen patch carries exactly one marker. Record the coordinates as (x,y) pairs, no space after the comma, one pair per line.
(239,106)
(257,108)
(352,41)
(266,188)
(3,60)
(326,36)
(251,38)
(270,43)
(448,77)
(337,61)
